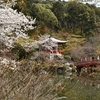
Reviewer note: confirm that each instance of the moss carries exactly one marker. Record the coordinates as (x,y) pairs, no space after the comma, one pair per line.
(22,40)
(67,57)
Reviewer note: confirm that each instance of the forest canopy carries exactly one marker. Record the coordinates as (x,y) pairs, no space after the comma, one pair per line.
(74,17)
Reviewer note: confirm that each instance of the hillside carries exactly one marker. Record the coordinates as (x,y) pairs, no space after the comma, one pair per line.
(32,67)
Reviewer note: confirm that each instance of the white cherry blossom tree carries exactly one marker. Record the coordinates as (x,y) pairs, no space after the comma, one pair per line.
(13,24)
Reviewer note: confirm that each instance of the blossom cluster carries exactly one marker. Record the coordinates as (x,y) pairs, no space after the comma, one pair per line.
(13,25)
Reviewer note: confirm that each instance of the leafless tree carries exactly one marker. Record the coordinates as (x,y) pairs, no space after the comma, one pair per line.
(24,83)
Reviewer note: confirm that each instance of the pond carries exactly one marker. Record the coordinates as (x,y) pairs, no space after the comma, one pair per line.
(23,84)
(77,88)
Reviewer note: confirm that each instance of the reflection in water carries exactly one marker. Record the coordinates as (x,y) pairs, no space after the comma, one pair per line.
(77,88)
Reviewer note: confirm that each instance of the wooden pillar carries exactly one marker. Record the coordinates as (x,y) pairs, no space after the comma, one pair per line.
(78,70)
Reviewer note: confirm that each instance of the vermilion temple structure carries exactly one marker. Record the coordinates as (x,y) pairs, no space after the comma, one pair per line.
(51,46)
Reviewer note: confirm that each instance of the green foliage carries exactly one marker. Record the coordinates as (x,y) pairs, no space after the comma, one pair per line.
(19,51)
(44,16)
(80,16)
(67,57)
(47,6)
(72,16)
(58,10)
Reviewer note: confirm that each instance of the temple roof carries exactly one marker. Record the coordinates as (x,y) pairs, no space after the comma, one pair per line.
(53,40)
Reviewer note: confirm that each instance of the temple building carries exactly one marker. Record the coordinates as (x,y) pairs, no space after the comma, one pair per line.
(51,47)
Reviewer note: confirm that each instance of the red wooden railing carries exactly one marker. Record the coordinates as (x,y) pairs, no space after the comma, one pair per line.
(54,51)
(88,63)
